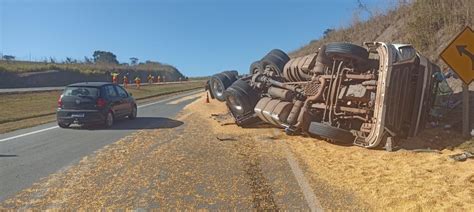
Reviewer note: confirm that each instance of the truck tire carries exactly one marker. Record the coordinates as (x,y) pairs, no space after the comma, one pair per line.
(347,50)
(232,75)
(332,133)
(218,84)
(279,53)
(241,98)
(256,67)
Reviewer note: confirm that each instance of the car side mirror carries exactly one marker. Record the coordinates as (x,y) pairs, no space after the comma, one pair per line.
(130,94)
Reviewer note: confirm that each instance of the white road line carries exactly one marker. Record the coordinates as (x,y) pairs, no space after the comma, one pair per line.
(50,128)
(27,134)
(308,193)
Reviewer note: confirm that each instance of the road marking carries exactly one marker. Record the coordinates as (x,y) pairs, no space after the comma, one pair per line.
(50,128)
(27,134)
(308,193)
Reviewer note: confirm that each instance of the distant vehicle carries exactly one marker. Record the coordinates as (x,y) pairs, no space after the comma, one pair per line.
(94,103)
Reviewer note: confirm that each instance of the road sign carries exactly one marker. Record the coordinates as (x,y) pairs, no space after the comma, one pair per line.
(459,55)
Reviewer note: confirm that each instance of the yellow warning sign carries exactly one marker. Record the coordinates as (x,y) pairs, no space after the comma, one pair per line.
(459,55)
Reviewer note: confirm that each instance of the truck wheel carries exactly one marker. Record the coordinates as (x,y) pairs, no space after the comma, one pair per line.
(330,132)
(218,84)
(347,50)
(256,67)
(241,98)
(275,60)
(279,53)
(232,75)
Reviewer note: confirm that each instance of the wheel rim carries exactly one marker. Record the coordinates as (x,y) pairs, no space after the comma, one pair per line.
(218,88)
(235,103)
(110,119)
(134,112)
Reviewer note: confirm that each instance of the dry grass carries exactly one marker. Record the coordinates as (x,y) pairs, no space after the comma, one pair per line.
(427,24)
(28,66)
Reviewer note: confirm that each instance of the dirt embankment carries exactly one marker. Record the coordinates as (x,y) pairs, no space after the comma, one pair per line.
(62,78)
(46,78)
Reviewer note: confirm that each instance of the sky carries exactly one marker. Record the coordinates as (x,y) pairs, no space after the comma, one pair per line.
(199,37)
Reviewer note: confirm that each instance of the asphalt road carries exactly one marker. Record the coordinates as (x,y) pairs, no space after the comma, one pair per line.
(30,154)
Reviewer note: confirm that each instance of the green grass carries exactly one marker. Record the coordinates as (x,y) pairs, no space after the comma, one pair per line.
(157,90)
(16,107)
(22,106)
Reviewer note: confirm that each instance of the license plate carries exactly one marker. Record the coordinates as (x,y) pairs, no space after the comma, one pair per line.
(78,115)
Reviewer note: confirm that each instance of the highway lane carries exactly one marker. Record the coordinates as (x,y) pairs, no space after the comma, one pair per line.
(28,155)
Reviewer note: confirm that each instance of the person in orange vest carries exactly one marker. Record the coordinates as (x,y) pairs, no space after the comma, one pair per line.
(125,81)
(150,79)
(138,81)
(158,78)
(115,78)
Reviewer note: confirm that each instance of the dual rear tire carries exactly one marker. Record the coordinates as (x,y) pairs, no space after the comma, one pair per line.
(275,60)
(241,99)
(220,82)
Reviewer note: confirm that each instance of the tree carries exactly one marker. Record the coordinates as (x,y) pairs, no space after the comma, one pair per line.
(327,32)
(87,60)
(133,61)
(68,60)
(105,57)
(8,57)
(52,60)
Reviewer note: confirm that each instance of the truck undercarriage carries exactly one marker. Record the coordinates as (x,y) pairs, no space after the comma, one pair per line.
(343,92)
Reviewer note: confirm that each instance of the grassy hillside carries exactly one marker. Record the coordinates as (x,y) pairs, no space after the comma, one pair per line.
(427,24)
(149,66)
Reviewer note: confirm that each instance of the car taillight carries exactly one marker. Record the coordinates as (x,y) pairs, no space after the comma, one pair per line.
(100,103)
(60,102)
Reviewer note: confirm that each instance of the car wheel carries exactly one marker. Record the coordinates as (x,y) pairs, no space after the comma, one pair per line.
(109,120)
(330,132)
(64,125)
(133,115)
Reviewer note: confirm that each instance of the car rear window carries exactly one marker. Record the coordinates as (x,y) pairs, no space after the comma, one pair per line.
(81,91)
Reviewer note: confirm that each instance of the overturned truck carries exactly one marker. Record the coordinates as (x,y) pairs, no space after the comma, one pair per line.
(345,93)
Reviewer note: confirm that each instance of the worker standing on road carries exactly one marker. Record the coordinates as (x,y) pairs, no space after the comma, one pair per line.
(150,79)
(125,81)
(138,81)
(158,78)
(115,77)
